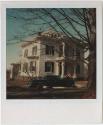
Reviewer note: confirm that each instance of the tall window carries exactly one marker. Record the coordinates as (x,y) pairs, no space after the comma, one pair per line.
(73,52)
(60,50)
(49,50)
(78,69)
(77,52)
(25,67)
(67,51)
(34,50)
(26,53)
(32,66)
(49,66)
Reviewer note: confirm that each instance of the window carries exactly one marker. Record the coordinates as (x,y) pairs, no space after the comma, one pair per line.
(32,66)
(34,50)
(26,53)
(49,50)
(73,52)
(25,67)
(67,51)
(49,66)
(78,69)
(77,52)
(70,51)
(60,50)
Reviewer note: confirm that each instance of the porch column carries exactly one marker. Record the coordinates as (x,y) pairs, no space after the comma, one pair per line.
(29,72)
(63,49)
(11,74)
(57,68)
(21,70)
(37,69)
(62,74)
(74,74)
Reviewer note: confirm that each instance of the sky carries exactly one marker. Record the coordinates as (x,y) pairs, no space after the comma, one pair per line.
(24,22)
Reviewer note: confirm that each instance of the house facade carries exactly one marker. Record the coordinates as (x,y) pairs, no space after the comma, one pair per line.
(52,53)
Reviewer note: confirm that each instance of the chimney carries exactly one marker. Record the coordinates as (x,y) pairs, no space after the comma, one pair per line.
(39,33)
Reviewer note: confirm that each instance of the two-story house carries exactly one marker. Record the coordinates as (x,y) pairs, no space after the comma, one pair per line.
(52,53)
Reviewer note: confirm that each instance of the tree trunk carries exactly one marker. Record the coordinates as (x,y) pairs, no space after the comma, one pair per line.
(92,71)
(92,50)
(91,16)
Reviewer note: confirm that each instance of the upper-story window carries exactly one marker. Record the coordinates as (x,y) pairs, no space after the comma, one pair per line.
(26,53)
(34,50)
(60,50)
(73,52)
(49,50)
(77,52)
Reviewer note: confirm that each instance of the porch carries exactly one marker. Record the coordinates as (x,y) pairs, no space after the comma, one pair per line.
(68,69)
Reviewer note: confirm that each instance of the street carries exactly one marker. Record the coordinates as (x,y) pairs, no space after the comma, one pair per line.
(53,93)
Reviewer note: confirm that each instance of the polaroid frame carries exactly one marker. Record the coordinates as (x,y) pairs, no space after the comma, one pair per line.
(47,111)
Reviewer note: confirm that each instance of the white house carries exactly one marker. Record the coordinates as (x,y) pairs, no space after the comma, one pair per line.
(52,53)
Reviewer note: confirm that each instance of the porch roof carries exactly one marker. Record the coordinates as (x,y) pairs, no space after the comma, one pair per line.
(33,57)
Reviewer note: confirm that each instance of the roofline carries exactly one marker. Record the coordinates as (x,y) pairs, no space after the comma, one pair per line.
(43,36)
(27,43)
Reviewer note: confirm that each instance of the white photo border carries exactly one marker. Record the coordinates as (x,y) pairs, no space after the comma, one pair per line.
(50,111)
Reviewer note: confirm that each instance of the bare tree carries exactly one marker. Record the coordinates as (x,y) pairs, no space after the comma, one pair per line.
(87,19)
(81,21)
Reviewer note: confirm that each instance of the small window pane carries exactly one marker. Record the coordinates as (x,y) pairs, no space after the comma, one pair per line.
(78,69)
(32,66)
(34,50)
(49,50)
(26,53)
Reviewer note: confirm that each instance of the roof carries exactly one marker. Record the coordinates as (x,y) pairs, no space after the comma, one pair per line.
(26,43)
(53,35)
